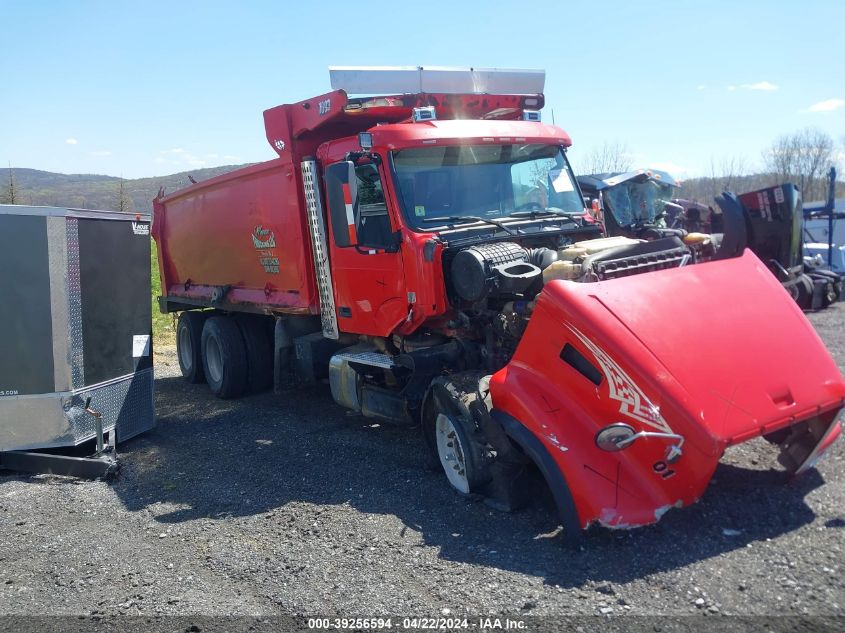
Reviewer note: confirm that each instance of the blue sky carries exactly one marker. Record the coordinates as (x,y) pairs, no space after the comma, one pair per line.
(151,88)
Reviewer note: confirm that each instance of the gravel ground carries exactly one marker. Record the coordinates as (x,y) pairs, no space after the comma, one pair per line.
(286,504)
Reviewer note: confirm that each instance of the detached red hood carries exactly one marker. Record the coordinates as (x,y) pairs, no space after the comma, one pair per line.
(726,332)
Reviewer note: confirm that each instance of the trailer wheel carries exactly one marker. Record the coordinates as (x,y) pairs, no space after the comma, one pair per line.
(452,433)
(189,345)
(224,357)
(259,351)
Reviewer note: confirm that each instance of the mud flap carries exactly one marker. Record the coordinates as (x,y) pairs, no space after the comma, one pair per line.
(735,237)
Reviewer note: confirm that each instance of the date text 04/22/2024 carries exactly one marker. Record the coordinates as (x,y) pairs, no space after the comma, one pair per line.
(417,623)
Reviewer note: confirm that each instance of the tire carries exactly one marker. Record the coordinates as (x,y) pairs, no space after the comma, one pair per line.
(451,432)
(224,357)
(833,290)
(189,345)
(830,294)
(259,352)
(804,296)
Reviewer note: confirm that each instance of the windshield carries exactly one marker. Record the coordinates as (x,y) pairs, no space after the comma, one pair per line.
(633,202)
(489,182)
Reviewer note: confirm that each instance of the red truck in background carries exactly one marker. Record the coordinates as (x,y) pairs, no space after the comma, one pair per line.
(428,252)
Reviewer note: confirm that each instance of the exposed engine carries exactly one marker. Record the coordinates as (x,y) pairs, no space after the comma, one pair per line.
(501,268)
(494,285)
(508,270)
(609,258)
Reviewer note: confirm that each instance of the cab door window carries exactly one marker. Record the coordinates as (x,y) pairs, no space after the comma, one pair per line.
(374,229)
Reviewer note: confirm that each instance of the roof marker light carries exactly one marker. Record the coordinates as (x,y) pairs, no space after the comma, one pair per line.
(365,140)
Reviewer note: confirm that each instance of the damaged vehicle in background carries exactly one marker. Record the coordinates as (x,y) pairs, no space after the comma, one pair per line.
(641,204)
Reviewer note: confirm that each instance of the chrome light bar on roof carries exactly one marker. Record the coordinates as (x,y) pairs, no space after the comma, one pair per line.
(371,80)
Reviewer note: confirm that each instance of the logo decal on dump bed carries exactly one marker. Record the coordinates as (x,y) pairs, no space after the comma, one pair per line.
(263,238)
(632,401)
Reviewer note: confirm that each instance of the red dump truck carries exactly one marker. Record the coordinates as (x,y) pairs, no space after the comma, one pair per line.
(427,252)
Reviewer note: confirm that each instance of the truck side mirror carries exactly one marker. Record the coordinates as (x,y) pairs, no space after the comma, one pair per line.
(342,194)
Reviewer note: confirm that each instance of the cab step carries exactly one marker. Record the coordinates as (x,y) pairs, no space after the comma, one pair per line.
(373,359)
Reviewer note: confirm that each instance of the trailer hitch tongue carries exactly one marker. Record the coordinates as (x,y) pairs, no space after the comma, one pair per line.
(619,435)
(98,424)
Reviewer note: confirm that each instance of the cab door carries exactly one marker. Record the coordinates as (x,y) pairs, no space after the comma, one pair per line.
(366,263)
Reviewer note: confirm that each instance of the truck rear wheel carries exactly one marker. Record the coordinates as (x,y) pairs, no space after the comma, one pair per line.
(259,351)
(451,432)
(224,357)
(189,345)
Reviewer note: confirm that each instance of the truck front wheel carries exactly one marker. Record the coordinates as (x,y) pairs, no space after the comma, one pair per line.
(224,357)
(451,432)
(189,345)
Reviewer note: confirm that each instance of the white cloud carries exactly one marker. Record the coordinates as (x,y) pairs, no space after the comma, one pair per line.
(700,87)
(71,141)
(101,152)
(183,159)
(829,105)
(731,88)
(179,156)
(673,168)
(766,86)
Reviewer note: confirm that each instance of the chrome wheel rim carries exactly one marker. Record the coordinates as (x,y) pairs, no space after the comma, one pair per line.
(213,359)
(452,453)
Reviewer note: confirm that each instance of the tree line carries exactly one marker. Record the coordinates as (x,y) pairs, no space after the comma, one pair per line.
(803,158)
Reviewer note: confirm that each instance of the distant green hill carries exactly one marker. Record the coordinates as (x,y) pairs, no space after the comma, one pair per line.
(90,191)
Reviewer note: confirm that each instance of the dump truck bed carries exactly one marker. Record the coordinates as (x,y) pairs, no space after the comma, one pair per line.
(238,241)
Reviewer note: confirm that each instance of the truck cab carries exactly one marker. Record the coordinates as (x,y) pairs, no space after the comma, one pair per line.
(413,203)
